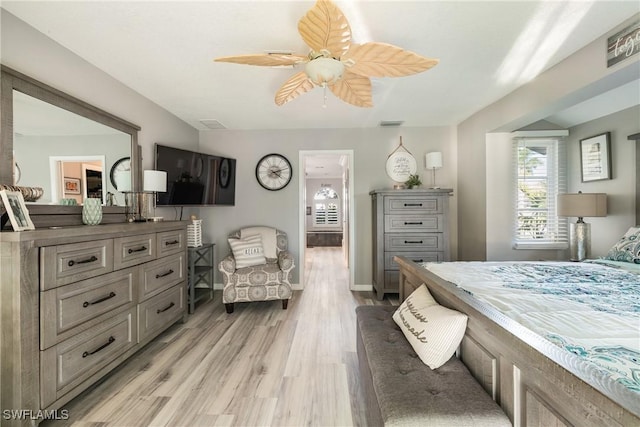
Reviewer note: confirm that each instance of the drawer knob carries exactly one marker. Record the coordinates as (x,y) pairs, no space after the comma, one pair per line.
(99,300)
(415,242)
(164,274)
(140,249)
(89,353)
(413,204)
(71,263)
(165,309)
(413,223)
(173,242)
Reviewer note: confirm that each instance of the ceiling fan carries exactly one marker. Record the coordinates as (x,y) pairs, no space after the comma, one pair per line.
(334,61)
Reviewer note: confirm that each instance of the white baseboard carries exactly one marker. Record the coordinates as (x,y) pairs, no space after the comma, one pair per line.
(362,288)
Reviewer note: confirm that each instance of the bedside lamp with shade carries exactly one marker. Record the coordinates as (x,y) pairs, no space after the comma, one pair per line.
(433,161)
(581,205)
(154,182)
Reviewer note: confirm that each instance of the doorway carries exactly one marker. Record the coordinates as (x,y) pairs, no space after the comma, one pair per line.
(326,205)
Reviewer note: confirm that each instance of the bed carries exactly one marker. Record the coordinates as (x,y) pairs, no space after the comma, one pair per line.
(526,339)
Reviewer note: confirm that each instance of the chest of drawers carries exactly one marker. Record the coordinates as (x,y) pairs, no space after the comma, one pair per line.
(78,301)
(412,223)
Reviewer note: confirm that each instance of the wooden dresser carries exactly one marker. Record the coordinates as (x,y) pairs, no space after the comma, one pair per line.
(411,223)
(75,302)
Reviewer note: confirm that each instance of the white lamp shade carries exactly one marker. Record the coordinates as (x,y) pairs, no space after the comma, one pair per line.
(582,204)
(434,160)
(324,70)
(155,181)
(123,181)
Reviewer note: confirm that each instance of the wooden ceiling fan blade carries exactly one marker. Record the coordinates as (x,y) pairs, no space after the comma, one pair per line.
(298,84)
(265,59)
(353,89)
(385,60)
(325,27)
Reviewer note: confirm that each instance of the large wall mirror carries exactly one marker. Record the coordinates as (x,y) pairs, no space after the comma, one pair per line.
(67,147)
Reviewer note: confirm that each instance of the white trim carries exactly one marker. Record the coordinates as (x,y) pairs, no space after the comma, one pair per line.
(539,133)
(302,214)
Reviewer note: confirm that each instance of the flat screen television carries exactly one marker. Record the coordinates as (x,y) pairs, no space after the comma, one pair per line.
(195,178)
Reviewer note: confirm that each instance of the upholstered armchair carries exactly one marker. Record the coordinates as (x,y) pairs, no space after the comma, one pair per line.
(258,267)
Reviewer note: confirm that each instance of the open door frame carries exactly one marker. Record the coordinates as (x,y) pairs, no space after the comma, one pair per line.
(302,210)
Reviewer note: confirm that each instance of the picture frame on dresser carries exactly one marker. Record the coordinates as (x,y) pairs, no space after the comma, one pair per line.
(16,210)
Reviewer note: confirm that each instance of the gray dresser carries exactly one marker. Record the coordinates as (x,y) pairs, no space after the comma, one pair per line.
(78,301)
(411,223)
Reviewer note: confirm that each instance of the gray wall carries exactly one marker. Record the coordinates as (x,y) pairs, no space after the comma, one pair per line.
(578,78)
(255,205)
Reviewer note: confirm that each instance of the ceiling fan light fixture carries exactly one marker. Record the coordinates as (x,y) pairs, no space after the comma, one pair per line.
(324,71)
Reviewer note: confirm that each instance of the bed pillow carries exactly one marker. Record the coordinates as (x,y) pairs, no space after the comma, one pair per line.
(248,251)
(433,331)
(628,247)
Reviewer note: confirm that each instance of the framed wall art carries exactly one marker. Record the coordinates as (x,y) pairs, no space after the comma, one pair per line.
(16,210)
(595,157)
(71,185)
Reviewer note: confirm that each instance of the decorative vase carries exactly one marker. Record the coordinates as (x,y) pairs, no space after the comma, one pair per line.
(92,211)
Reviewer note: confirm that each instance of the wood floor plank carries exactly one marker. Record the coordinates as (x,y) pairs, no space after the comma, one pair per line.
(259,366)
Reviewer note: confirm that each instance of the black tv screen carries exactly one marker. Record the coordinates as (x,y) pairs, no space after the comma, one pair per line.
(195,178)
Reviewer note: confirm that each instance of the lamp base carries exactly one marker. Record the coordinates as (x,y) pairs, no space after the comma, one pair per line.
(579,241)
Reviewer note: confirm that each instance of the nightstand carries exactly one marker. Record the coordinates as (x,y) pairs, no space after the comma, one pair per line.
(200,274)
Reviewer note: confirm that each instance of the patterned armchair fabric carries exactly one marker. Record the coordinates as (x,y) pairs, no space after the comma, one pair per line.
(264,282)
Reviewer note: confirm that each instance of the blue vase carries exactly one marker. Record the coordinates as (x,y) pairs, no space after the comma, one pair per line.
(92,211)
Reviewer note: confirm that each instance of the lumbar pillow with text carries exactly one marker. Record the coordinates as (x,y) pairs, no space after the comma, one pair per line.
(248,251)
(433,331)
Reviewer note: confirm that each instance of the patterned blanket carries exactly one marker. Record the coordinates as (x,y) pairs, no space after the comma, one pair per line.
(591,310)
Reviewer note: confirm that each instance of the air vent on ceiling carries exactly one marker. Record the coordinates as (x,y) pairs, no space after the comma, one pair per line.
(212,124)
(385,123)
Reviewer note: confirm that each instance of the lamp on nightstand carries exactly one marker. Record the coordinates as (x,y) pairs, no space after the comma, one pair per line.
(154,182)
(581,205)
(433,161)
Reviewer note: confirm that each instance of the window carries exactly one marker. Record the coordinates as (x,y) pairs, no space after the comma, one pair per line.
(326,208)
(540,170)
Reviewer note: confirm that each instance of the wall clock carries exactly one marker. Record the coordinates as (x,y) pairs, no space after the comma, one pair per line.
(224,173)
(273,172)
(119,167)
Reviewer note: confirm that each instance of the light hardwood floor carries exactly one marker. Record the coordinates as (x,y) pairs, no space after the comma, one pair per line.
(260,366)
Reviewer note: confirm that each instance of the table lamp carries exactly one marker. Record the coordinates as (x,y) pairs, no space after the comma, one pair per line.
(154,182)
(433,161)
(581,205)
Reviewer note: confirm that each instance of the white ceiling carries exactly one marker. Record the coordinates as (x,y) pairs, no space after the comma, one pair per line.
(165,51)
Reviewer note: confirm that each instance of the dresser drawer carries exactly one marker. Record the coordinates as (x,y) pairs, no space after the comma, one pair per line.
(156,313)
(170,242)
(133,250)
(161,274)
(413,204)
(70,263)
(75,360)
(390,264)
(70,309)
(413,223)
(413,242)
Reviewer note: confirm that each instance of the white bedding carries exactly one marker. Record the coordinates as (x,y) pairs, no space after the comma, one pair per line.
(589,309)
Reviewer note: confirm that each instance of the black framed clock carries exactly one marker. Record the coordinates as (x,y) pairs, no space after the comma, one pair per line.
(273,172)
(119,167)
(224,173)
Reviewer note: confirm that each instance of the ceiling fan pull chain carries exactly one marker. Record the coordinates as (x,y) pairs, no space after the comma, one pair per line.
(324,105)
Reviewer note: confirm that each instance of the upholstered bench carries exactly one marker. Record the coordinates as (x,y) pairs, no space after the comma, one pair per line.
(400,390)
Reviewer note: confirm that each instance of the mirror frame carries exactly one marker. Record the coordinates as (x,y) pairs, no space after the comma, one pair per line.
(14,80)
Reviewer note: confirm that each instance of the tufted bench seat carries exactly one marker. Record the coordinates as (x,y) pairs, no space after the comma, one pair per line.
(400,390)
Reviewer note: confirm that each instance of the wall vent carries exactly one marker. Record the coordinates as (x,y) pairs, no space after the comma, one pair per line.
(212,124)
(391,123)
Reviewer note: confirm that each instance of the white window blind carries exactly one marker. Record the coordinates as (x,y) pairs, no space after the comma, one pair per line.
(326,208)
(540,175)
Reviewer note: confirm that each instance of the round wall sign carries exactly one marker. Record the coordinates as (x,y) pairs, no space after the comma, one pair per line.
(400,165)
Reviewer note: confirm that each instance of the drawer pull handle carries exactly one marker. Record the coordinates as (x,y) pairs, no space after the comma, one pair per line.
(89,353)
(413,204)
(71,263)
(417,260)
(164,274)
(415,242)
(413,223)
(87,303)
(173,242)
(140,249)
(165,309)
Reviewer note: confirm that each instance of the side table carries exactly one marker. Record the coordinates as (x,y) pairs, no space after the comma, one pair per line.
(201,262)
